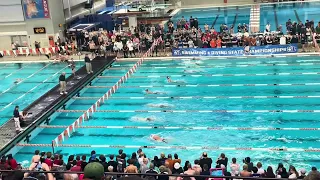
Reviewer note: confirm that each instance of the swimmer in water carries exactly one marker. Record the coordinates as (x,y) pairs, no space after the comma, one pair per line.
(149,119)
(158,138)
(169,80)
(151,92)
(159,105)
(17,81)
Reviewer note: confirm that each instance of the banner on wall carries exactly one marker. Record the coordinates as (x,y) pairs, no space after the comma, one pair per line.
(36,9)
(236,51)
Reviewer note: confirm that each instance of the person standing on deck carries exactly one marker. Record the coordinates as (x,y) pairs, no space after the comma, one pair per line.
(87,60)
(16,118)
(63,84)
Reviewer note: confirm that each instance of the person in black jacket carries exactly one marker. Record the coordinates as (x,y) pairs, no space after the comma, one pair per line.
(16,118)
(63,84)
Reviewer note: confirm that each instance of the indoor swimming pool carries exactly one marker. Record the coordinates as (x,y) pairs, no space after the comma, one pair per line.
(245,106)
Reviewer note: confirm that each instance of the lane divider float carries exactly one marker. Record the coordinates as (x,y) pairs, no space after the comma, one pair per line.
(87,113)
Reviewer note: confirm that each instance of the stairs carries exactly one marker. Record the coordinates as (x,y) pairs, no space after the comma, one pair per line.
(254,19)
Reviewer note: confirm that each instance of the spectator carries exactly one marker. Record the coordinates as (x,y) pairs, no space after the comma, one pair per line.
(177,169)
(302,173)
(282,171)
(87,60)
(190,171)
(120,152)
(113,163)
(318,28)
(255,172)
(293,173)
(16,118)
(234,167)
(185,167)
(205,171)
(245,172)
(144,166)
(83,162)
(314,174)
(222,160)
(268,27)
(131,167)
(162,158)
(248,162)
(163,170)
(205,160)
(93,157)
(269,173)
(170,161)
(48,160)
(63,84)
(176,159)
(36,157)
(151,171)
(121,163)
(283,40)
(156,161)
(197,167)
(71,162)
(103,162)
(94,170)
(135,160)
(260,169)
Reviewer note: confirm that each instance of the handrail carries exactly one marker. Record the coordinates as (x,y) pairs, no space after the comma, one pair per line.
(145,174)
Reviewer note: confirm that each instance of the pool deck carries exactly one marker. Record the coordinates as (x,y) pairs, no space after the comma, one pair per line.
(44,106)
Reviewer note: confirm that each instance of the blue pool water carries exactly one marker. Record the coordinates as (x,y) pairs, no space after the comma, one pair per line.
(266,70)
(31,86)
(275,14)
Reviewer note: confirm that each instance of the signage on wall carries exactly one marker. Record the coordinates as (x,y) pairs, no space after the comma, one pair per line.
(36,9)
(39,30)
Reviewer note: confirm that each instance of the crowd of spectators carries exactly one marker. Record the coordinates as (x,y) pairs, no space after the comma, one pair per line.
(94,167)
(193,36)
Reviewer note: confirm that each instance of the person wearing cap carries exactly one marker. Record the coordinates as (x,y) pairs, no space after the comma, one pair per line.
(63,84)
(205,160)
(87,60)
(93,171)
(302,173)
(177,169)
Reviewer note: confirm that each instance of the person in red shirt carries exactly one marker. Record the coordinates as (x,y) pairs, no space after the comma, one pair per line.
(219,42)
(213,43)
(48,160)
(12,162)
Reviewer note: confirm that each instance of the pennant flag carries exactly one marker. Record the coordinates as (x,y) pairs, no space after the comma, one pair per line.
(86,116)
(66,133)
(56,141)
(71,129)
(81,119)
(60,139)
(76,125)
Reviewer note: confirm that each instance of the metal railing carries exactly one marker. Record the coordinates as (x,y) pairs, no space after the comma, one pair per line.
(141,174)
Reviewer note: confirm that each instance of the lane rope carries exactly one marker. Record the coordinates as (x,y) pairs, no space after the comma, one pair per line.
(211,85)
(195,111)
(8,105)
(25,79)
(206,97)
(89,112)
(185,128)
(176,147)
(223,66)
(218,75)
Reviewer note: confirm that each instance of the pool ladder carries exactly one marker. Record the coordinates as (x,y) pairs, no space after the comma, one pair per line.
(255,18)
